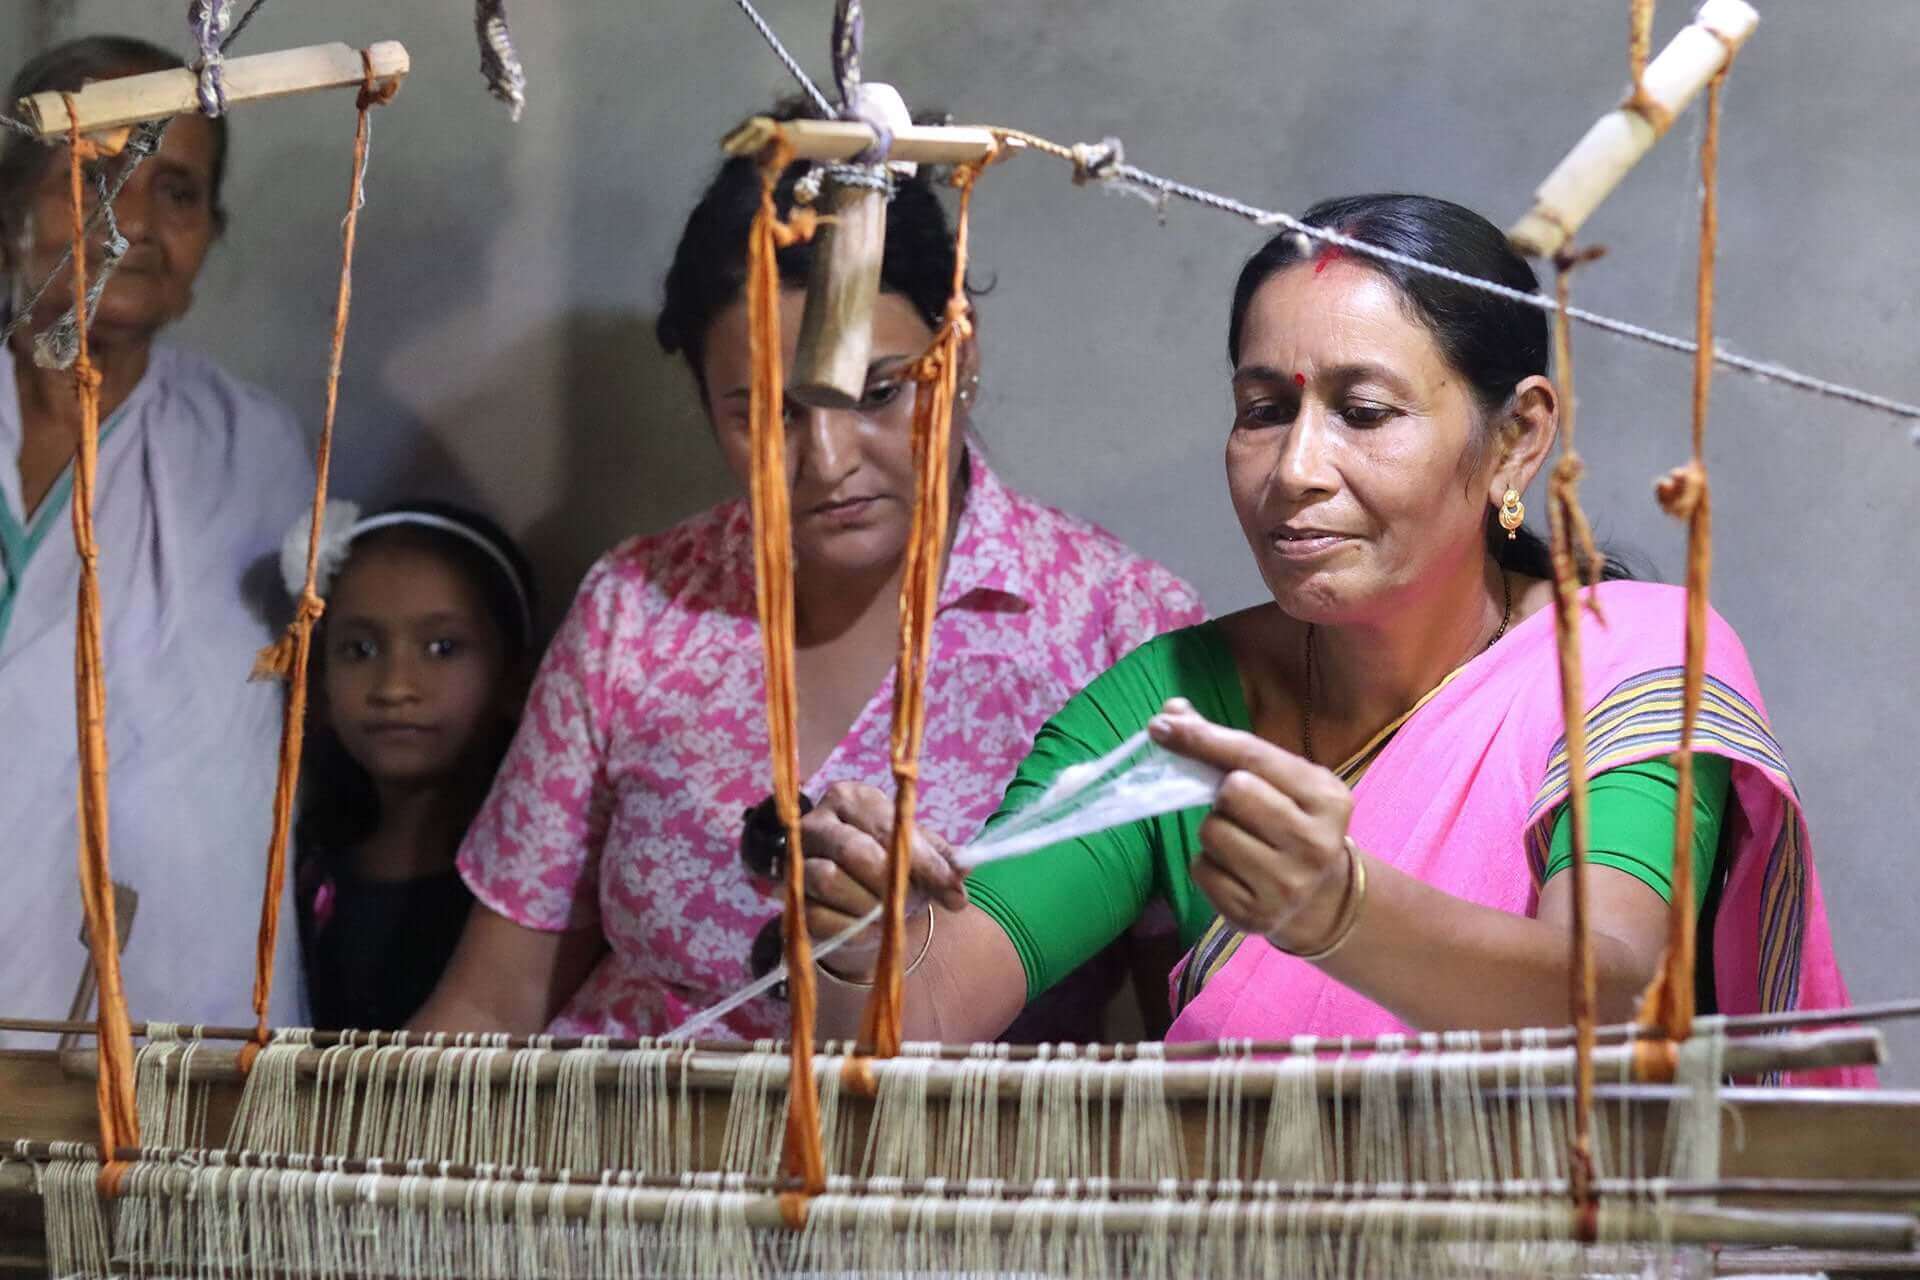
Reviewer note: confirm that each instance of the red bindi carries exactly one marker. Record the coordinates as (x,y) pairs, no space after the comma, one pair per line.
(1328,254)
(1299,379)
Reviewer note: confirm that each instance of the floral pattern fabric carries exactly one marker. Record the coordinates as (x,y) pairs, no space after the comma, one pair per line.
(644,739)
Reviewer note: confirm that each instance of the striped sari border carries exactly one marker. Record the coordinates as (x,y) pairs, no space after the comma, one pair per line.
(1641,719)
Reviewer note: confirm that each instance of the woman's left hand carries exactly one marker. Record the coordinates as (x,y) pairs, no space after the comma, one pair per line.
(1273,853)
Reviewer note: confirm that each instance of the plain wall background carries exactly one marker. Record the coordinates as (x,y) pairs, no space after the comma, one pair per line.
(508,278)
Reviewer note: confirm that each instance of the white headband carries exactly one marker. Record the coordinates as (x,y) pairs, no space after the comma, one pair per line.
(342,527)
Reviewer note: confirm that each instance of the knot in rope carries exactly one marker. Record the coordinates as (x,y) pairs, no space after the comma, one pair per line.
(376,93)
(499,61)
(796,228)
(1097,161)
(277,660)
(1682,490)
(208,21)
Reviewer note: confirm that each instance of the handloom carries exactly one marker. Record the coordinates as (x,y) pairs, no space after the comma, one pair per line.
(1583,1150)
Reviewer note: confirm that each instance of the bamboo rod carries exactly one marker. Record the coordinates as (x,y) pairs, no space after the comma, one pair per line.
(1214,1190)
(720,1072)
(1736,1025)
(1414,1220)
(845,139)
(157,95)
(1610,149)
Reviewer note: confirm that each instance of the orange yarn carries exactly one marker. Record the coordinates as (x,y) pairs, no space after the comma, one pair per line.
(119,1121)
(773,591)
(286,658)
(1576,561)
(937,372)
(1668,1002)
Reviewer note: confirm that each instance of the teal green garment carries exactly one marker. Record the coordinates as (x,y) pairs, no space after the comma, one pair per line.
(1631,823)
(1062,905)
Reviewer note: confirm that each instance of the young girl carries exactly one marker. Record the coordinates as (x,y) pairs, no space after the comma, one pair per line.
(420,668)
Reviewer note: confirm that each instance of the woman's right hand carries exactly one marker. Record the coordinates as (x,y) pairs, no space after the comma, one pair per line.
(845,841)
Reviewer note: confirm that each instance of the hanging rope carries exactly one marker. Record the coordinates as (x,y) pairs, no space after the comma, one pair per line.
(936,374)
(119,1121)
(1576,563)
(499,60)
(1639,44)
(773,593)
(286,658)
(207,20)
(1683,493)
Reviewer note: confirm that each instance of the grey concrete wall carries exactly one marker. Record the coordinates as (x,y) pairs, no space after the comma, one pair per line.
(509,277)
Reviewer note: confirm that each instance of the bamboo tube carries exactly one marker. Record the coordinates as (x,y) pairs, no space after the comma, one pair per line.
(1184,1080)
(836,329)
(1736,1026)
(845,139)
(108,104)
(1213,1190)
(1430,1220)
(1608,152)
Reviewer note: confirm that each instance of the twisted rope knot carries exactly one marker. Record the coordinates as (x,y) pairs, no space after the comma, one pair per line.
(208,20)
(797,228)
(1097,161)
(376,93)
(1682,490)
(277,660)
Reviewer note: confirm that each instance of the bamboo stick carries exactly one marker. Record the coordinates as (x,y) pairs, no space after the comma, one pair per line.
(845,139)
(1610,149)
(1214,1190)
(1736,1025)
(157,95)
(836,329)
(1418,1220)
(1181,1080)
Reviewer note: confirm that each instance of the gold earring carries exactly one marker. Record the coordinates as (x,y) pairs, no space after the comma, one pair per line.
(1512,512)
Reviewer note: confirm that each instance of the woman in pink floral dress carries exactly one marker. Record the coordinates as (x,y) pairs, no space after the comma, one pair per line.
(611,895)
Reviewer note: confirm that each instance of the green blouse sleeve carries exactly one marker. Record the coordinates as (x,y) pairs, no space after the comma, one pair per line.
(1061,905)
(1632,817)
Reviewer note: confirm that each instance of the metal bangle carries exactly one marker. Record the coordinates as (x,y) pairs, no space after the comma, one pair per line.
(855,983)
(1349,911)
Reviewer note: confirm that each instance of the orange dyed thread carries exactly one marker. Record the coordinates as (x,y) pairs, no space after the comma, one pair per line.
(286,658)
(119,1120)
(773,597)
(937,373)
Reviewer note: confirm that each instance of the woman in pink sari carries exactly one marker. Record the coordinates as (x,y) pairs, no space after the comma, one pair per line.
(1385,853)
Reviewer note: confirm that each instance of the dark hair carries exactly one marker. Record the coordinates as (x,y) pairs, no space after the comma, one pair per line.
(65,68)
(339,806)
(709,271)
(1493,342)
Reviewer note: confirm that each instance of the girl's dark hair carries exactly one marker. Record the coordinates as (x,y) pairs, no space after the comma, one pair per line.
(339,806)
(1493,342)
(65,68)
(709,271)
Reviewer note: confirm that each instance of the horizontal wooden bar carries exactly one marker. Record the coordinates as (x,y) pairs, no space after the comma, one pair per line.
(1419,1220)
(845,139)
(160,95)
(1736,1025)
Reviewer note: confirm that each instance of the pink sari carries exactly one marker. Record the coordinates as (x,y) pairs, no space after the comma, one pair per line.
(1464,794)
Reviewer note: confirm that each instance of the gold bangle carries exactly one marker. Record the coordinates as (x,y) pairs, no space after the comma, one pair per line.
(1349,910)
(925,946)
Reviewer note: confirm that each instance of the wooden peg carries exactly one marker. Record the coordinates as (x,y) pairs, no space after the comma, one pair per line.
(836,329)
(158,95)
(1608,152)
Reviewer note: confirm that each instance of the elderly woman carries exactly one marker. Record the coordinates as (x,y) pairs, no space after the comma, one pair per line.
(606,862)
(1386,849)
(197,474)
